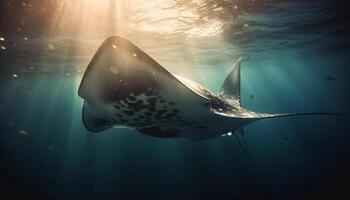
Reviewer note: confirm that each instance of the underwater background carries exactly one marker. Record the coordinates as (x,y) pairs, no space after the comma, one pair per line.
(295,59)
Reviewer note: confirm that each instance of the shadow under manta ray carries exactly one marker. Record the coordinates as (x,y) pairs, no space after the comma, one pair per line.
(123,86)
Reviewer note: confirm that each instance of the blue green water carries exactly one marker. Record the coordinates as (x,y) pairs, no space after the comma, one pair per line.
(46,153)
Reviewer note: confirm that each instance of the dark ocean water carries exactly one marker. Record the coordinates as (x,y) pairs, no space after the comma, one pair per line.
(295,59)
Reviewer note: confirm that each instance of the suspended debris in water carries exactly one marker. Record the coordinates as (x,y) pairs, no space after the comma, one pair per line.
(23,132)
(2,47)
(2,39)
(14,75)
(96,188)
(51,46)
(330,78)
(50,147)
(25,38)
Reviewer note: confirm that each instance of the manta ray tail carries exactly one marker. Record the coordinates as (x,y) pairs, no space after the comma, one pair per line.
(232,85)
(266,116)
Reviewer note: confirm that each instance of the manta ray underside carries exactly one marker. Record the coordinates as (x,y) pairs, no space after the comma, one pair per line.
(125,87)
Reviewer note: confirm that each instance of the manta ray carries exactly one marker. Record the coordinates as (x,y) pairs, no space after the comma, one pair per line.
(124,87)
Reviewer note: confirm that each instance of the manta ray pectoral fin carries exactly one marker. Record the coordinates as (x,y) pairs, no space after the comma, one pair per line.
(232,85)
(92,122)
(120,70)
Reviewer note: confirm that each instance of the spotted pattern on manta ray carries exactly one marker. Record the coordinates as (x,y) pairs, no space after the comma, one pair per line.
(152,110)
(145,109)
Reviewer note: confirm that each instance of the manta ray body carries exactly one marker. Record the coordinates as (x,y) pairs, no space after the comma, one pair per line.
(125,87)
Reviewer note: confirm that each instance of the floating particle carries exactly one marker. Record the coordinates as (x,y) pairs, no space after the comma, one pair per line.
(246,25)
(235,7)
(95,188)
(32,68)
(114,70)
(68,74)
(2,39)
(2,47)
(23,132)
(229,134)
(24,4)
(25,38)
(134,54)
(19,29)
(50,147)
(14,75)
(51,46)
(330,78)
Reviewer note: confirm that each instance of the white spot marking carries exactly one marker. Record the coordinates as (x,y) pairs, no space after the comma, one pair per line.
(115,46)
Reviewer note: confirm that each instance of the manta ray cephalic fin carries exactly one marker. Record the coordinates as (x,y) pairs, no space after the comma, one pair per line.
(92,122)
